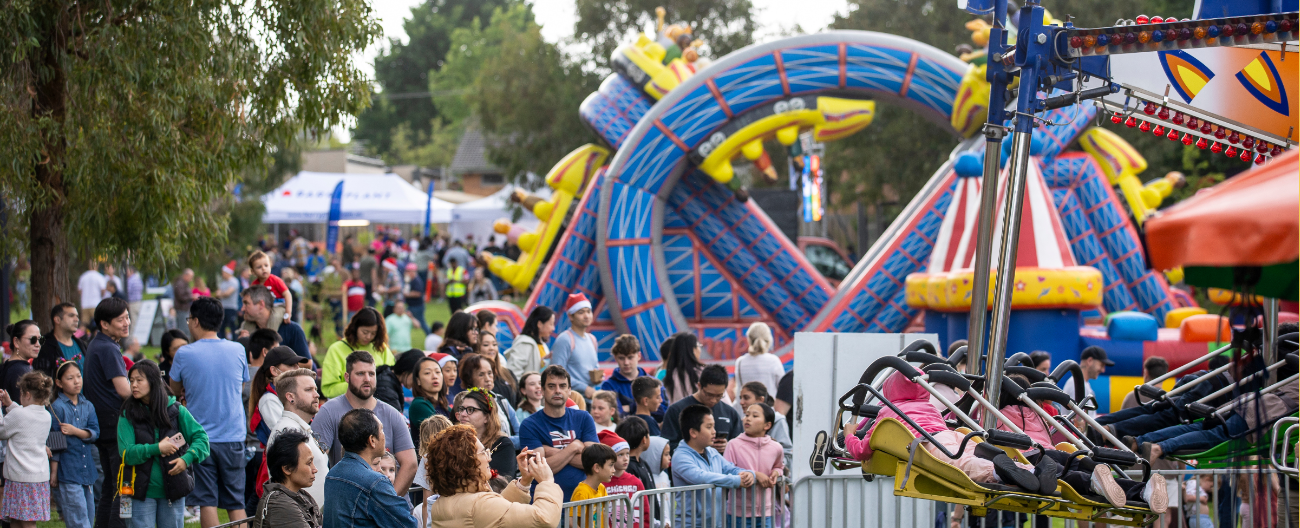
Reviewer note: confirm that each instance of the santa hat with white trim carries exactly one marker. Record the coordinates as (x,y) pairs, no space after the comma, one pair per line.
(613,440)
(390,263)
(576,302)
(229,267)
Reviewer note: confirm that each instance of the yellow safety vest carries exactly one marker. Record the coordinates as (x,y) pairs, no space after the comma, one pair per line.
(456,282)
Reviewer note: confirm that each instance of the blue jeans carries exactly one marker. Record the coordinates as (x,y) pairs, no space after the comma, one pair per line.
(1194,437)
(748,522)
(162,513)
(77,503)
(1138,420)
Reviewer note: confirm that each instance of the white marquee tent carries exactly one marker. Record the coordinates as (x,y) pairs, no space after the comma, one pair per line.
(476,217)
(378,198)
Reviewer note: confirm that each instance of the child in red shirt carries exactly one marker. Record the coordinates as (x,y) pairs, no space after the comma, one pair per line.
(623,482)
(355,292)
(260,264)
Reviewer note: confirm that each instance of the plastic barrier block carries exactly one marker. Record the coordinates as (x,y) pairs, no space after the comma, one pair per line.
(1132,326)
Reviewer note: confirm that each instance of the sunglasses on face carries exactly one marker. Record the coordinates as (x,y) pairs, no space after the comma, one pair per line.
(36,340)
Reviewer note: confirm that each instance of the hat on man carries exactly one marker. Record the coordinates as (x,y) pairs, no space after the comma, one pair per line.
(1097,353)
(390,263)
(613,440)
(283,355)
(576,302)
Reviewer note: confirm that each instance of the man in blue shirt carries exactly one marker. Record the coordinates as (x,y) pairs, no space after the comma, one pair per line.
(360,497)
(559,432)
(575,349)
(209,375)
(700,463)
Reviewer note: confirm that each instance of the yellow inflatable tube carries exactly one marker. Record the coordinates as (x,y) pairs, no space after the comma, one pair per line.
(830,119)
(568,178)
(1121,163)
(641,63)
(1070,287)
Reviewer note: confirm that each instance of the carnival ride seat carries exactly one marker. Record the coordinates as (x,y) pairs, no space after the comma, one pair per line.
(918,473)
(1236,452)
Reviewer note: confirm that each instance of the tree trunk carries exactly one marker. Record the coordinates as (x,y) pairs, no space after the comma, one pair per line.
(51,283)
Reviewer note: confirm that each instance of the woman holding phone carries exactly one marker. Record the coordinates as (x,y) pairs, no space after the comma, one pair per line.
(160,441)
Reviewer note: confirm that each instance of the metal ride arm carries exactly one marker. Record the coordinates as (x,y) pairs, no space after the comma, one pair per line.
(1202,408)
(1249,397)
(1076,374)
(1152,390)
(1290,424)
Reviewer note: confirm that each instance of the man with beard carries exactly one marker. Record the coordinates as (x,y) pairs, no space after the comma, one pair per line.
(361,379)
(297,391)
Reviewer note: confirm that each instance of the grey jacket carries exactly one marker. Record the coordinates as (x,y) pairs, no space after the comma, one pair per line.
(281,508)
(1272,406)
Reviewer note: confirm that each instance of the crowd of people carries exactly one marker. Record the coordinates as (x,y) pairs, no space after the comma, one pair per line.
(238,413)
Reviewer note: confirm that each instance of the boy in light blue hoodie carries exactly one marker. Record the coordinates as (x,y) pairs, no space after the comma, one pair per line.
(699,463)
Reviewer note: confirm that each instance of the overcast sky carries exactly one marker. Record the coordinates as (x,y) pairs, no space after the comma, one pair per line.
(556,17)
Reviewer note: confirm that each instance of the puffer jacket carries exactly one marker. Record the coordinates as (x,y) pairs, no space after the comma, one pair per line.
(1268,408)
(910,398)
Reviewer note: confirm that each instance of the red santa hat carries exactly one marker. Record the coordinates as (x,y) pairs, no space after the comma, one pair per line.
(613,440)
(576,302)
(443,359)
(390,263)
(229,268)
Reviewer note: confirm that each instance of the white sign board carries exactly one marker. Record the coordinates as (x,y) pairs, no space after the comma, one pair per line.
(826,366)
(144,321)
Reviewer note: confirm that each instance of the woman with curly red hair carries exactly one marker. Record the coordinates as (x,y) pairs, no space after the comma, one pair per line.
(457,466)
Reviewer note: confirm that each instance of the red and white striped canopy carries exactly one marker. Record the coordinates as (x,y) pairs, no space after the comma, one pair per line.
(1042,244)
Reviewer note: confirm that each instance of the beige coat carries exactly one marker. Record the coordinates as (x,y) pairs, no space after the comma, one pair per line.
(510,508)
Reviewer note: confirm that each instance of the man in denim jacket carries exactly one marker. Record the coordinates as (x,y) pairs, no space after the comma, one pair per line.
(355,494)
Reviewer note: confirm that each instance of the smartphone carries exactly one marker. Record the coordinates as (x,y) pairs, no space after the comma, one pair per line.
(179,440)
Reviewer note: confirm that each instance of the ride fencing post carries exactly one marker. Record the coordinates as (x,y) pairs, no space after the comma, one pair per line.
(757,507)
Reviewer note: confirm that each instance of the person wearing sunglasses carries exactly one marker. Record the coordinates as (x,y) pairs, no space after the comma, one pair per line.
(25,344)
(476,407)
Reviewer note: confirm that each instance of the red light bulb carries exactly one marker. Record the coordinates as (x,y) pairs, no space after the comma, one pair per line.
(1076,42)
(1187,139)
(1149,109)
(1142,19)
(1202,144)
(1178,118)
(1132,122)
(1234,138)
(1261,147)
(1248,143)
(1206,128)
(1220,133)
(1157,20)
(1172,135)
(1159,130)
(1277,150)
(1164,113)
(1145,127)
(1259,160)
(1193,123)
(1231,152)
(1216,147)
(1117,118)
(1245,155)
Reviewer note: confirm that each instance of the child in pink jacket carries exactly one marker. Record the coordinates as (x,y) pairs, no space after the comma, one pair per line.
(755,450)
(915,402)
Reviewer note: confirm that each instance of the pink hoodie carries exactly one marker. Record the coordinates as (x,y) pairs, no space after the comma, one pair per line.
(761,454)
(910,398)
(1029,422)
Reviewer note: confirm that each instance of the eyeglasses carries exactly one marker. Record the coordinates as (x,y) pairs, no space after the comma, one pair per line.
(36,340)
(488,451)
(466,410)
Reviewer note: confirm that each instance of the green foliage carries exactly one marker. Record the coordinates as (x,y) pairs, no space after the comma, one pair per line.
(724,25)
(127,124)
(410,128)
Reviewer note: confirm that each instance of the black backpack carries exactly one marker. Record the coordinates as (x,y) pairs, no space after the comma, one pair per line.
(387,388)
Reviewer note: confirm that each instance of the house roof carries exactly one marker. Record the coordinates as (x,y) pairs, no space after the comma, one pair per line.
(471,153)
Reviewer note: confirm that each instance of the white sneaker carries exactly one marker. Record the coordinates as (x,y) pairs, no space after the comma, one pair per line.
(1155,494)
(191,515)
(1103,483)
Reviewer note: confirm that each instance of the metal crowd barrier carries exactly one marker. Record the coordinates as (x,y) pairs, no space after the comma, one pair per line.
(699,506)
